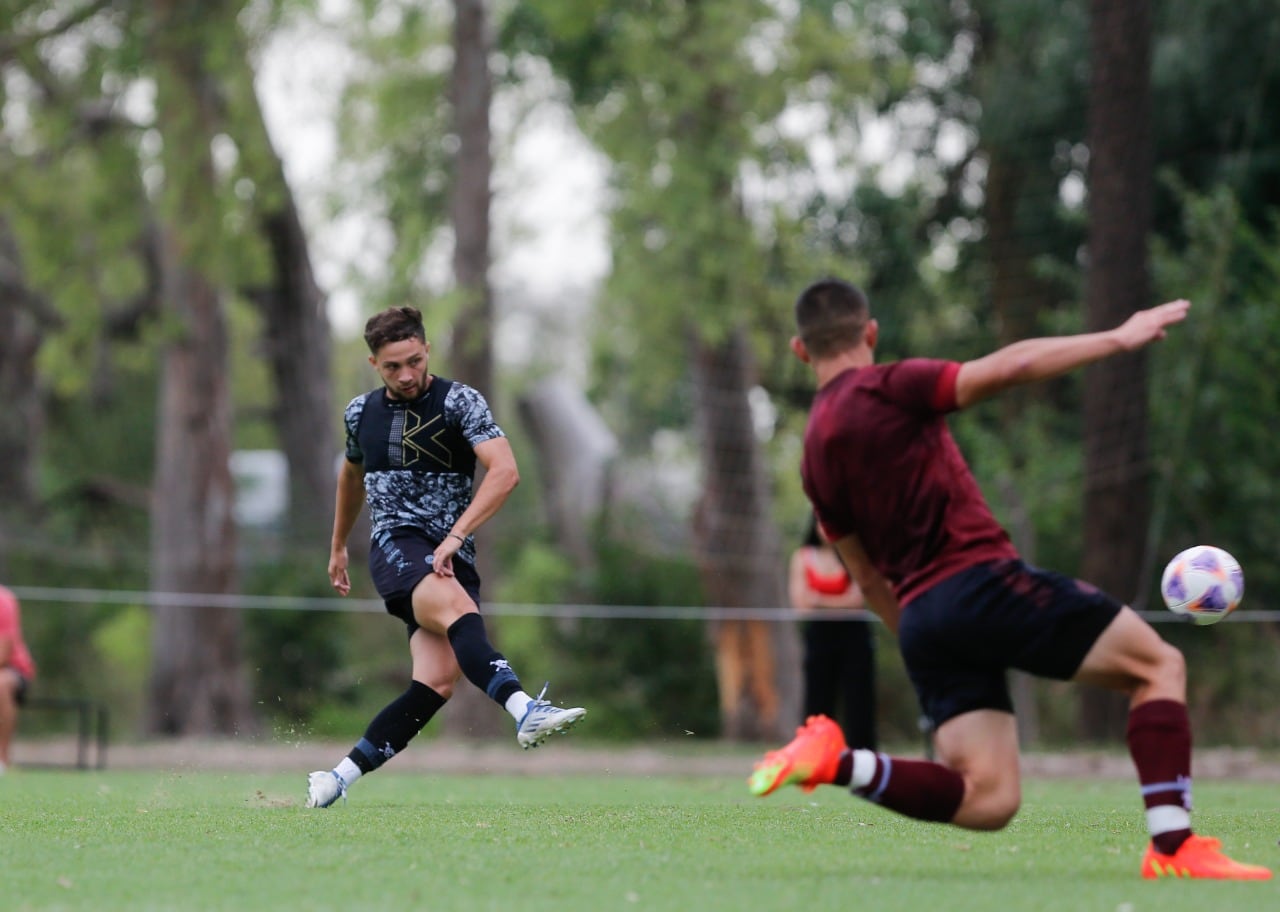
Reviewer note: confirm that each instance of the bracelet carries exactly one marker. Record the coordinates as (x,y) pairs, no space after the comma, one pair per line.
(457,536)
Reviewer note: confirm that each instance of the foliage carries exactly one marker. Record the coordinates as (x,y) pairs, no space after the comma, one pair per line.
(296,656)
(1217,465)
(699,213)
(644,678)
(1215,78)
(397,140)
(736,134)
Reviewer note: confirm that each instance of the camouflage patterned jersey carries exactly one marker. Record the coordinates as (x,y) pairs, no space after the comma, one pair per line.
(418,457)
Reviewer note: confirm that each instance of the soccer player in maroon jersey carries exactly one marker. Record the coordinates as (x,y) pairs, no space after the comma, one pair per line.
(894,494)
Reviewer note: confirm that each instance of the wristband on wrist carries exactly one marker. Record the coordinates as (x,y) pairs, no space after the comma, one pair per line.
(457,536)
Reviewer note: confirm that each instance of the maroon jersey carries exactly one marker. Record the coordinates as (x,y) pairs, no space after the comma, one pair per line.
(880,462)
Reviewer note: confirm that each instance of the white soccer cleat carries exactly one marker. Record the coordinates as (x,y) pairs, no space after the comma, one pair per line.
(541,720)
(324,787)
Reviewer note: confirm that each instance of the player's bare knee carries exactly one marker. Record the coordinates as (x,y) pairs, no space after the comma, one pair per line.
(1169,674)
(988,816)
(1002,807)
(988,805)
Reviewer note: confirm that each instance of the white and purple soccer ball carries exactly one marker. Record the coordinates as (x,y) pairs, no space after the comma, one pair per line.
(1204,583)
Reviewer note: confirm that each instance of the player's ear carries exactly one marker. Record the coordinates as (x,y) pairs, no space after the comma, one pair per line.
(872,333)
(799,350)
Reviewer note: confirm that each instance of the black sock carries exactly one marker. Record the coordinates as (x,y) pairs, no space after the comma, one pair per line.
(393,728)
(483,665)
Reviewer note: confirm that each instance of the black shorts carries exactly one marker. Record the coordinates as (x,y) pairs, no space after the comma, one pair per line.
(400,559)
(959,638)
(20,694)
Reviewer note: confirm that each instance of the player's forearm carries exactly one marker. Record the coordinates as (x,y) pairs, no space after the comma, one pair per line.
(498,483)
(347,505)
(1044,358)
(1030,361)
(6,651)
(880,599)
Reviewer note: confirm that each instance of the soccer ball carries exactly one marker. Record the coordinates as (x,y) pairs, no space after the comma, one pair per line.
(1204,583)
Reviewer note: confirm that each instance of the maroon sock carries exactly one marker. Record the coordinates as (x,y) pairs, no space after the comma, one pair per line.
(844,770)
(916,788)
(1159,736)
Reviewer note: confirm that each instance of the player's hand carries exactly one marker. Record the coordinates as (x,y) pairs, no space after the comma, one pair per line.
(338,570)
(1151,325)
(442,559)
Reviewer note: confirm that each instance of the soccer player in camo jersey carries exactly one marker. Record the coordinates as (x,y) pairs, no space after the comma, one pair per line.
(894,494)
(412,449)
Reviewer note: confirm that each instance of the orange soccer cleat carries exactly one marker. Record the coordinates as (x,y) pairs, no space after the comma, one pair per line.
(808,761)
(1199,857)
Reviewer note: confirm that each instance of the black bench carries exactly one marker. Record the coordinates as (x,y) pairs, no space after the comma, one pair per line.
(91,726)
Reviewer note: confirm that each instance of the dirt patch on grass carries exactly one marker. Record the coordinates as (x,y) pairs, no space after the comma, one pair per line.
(561,757)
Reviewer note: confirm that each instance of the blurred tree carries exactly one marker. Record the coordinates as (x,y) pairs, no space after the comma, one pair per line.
(84,165)
(198,683)
(1117,466)
(470,96)
(688,102)
(295,333)
(25,317)
(393,125)
(1215,464)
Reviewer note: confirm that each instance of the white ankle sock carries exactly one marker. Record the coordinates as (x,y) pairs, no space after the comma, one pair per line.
(864,768)
(347,771)
(1165,818)
(517,704)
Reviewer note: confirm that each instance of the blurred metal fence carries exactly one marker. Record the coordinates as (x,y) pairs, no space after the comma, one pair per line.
(36,594)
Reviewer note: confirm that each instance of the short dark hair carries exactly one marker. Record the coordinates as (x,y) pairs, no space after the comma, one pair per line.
(394,324)
(831,315)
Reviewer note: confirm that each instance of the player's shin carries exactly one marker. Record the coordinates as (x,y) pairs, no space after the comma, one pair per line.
(483,665)
(1159,737)
(914,788)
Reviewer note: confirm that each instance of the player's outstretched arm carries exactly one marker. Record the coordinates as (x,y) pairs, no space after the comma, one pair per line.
(1040,359)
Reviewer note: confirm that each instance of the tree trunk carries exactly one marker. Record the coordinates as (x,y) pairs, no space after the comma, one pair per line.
(1018,297)
(297,331)
(471,354)
(22,320)
(197,683)
(575,453)
(739,556)
(1117,465)
(471,350)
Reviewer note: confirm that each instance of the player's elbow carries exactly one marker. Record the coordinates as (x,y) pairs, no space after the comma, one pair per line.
(508,477)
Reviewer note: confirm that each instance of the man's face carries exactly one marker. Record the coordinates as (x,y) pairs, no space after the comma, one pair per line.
(403,367)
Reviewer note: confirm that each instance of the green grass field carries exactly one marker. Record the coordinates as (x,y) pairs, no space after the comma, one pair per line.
(196,841)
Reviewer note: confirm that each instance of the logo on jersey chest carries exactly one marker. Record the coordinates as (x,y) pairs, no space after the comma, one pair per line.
(414,440)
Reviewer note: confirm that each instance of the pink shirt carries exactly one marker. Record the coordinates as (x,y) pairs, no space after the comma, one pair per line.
(879,461)
(11,628)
